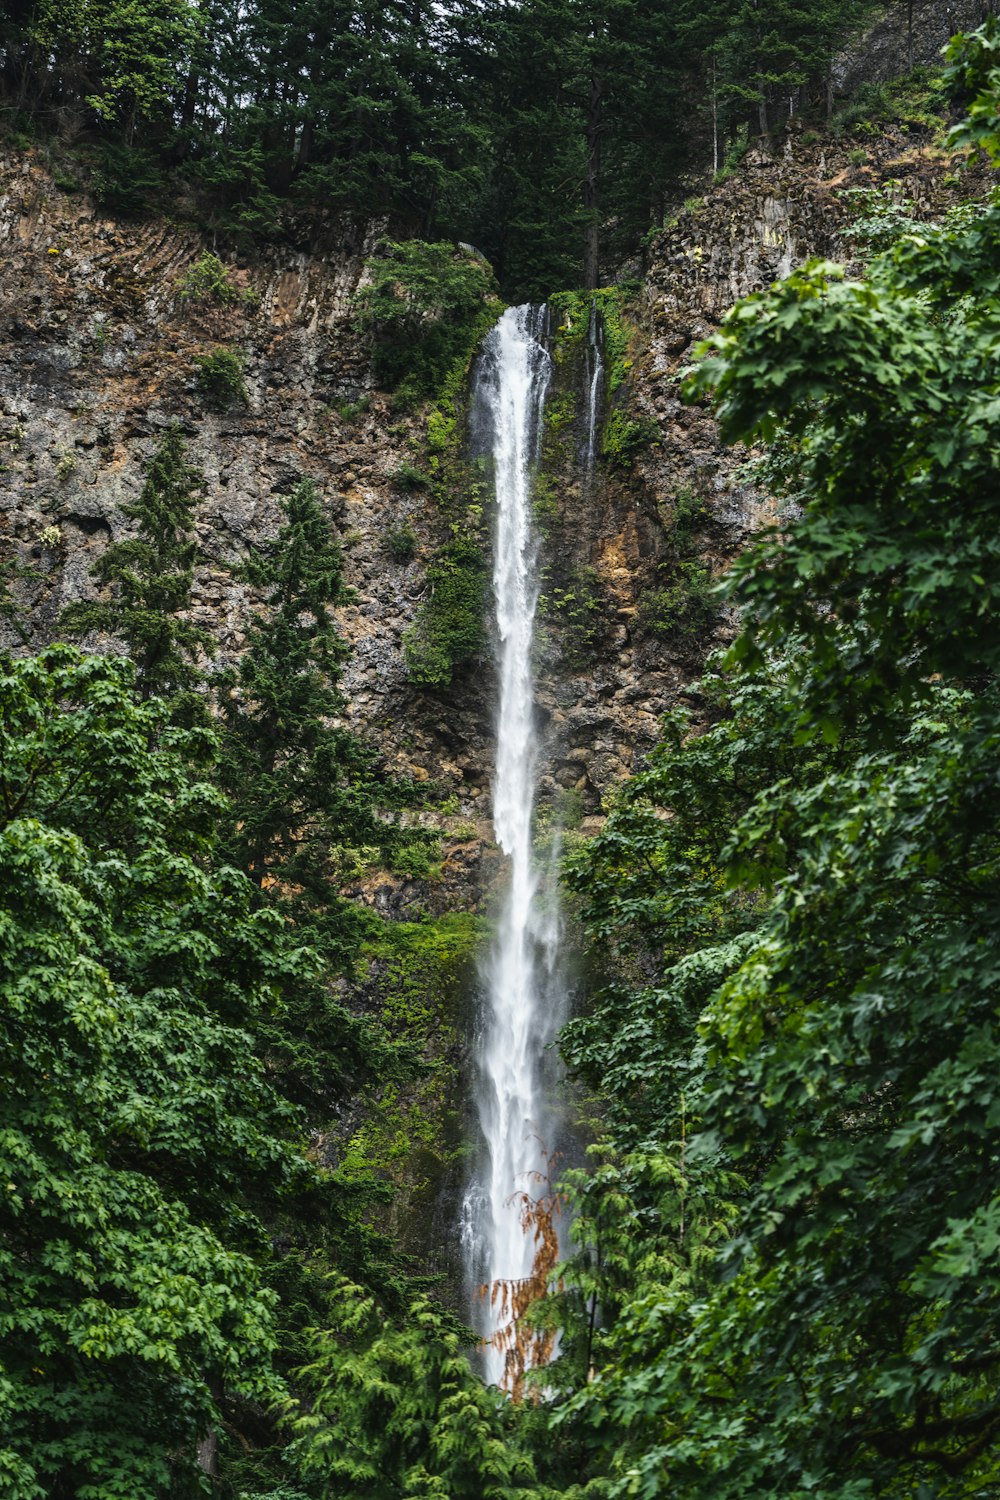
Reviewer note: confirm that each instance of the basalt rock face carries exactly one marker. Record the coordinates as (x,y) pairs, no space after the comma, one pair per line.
(911,33)
(98,351)
(97,357)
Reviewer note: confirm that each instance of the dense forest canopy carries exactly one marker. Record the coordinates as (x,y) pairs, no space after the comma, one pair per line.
(527,129)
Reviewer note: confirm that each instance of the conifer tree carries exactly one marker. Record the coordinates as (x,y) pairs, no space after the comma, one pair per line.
(151,575)
(299,782)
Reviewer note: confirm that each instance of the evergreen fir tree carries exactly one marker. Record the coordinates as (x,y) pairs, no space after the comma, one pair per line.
(301,785)
(306,796)
(151,575)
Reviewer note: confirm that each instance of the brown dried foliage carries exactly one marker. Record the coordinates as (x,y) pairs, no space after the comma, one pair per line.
(528,1343)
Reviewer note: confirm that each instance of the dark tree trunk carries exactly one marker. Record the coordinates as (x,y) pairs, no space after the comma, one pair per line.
(591,189)
(909,35)
(715,123)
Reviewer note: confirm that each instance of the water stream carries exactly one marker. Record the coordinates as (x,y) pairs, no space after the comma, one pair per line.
(594,377)
(519,973)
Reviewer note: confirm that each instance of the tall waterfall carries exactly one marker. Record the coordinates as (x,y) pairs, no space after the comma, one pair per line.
(519,978)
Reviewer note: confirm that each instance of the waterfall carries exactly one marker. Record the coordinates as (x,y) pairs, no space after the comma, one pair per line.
(518,974)
(594,378)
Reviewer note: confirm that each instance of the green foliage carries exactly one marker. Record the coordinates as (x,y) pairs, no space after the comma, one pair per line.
(686,606)
(137,1125)
(764,56)
(551,134)
(151,577)
(349,411)
(560,411)
(422,303)
(310,804)
(422,977)
(581,611)
(397,1411)
(449,630)
(408,477)
(209,280)
(624,1295)
(219,379)
(654,896)
(903,329)
(426,963)
(66,182)
(735,153)
(917,103)
(625,437)
(401,542)
(306,793)
(622,436)
(974,74)
(571,314)
(310,808)
(127,179)
(126,53)
(870,106)
(883,215)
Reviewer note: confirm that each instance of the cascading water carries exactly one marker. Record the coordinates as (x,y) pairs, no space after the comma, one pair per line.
(519,974)
(594,378)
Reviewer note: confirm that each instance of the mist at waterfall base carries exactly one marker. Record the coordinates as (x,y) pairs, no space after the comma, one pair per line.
(523,995)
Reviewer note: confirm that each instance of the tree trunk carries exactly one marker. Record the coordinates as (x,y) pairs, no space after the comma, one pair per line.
(208,1448)
(192,82)
(715,122)
(591,189)
(909,35)
(208,1455)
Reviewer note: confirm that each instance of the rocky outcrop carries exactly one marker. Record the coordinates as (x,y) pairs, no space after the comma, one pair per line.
(911,33)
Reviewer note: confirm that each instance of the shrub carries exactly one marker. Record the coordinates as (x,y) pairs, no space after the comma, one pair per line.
(624,437)
(686,606)
(219,379)
(422,304)
(408,477)
(128,180)
(401,542)
(349,411)
(871,104)
(581,609)
(208,280)
(449,629)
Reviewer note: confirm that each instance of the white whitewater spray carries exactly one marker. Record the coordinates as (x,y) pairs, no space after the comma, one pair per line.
(521,1013)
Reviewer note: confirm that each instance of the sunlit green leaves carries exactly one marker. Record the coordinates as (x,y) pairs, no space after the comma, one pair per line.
(136,1125)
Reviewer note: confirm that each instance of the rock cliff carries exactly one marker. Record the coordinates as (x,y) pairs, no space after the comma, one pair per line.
(98,350)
